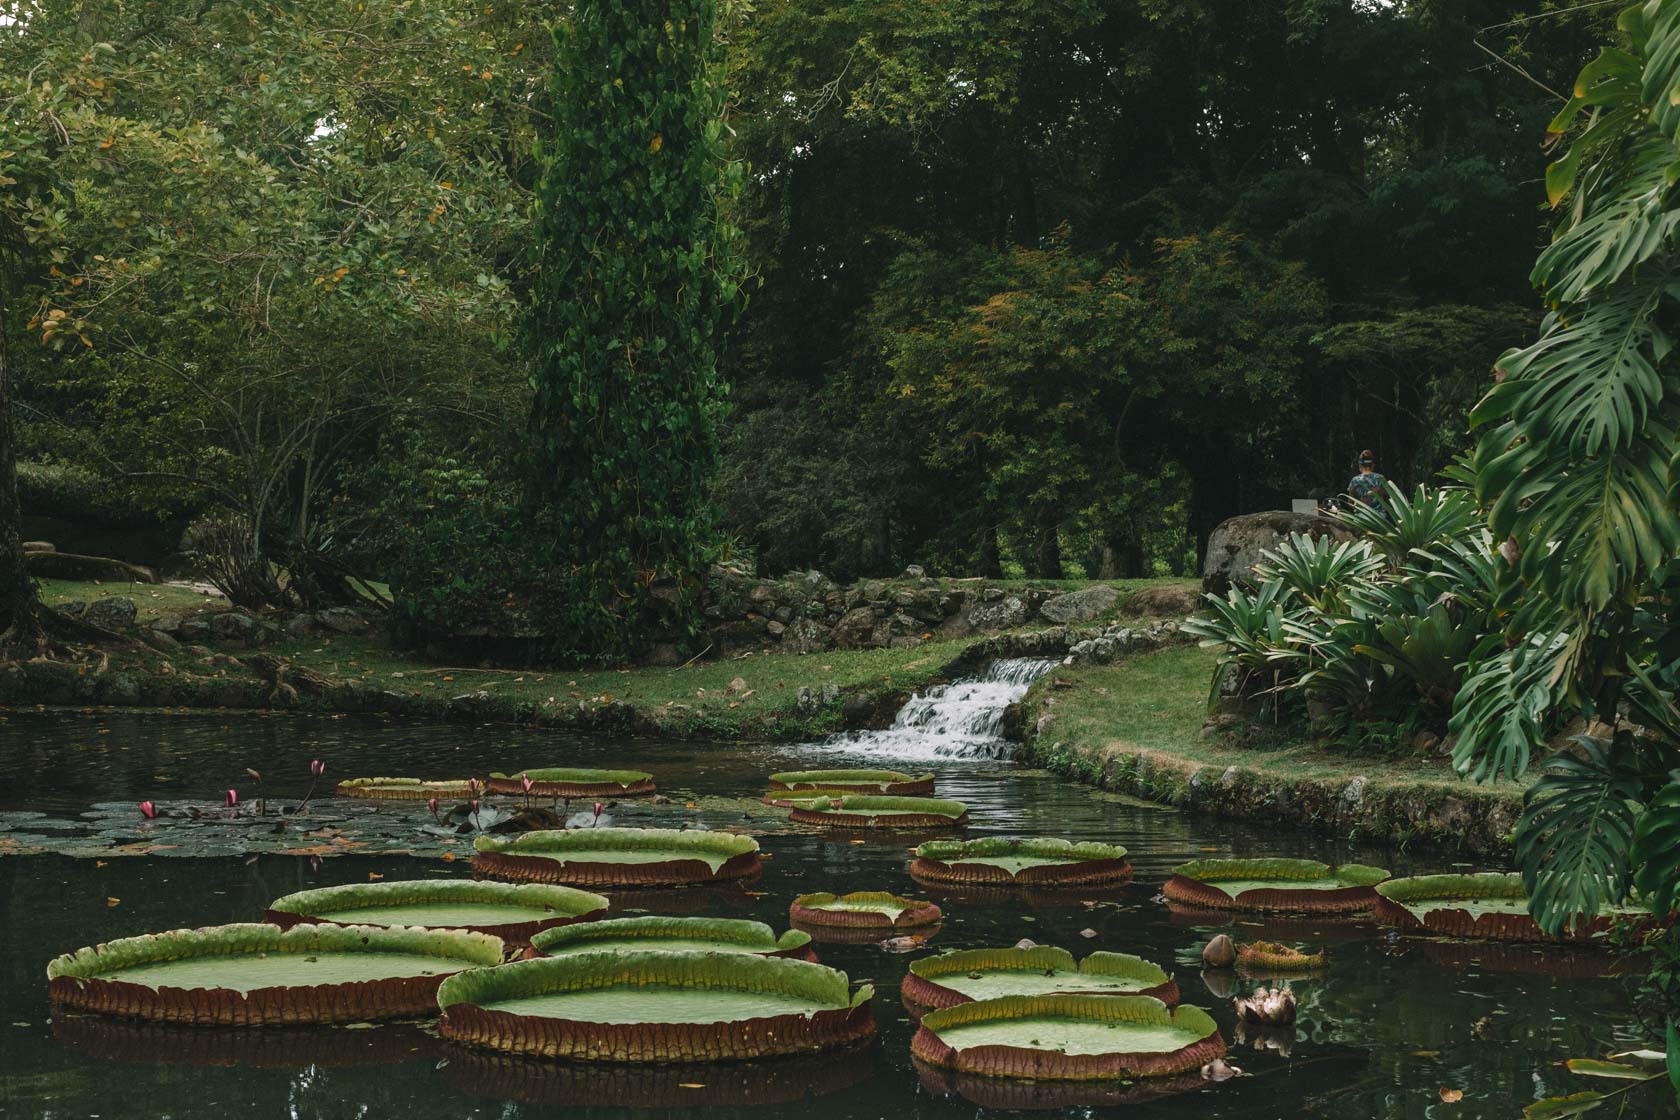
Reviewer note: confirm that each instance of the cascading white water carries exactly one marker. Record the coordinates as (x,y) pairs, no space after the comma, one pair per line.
(962,719)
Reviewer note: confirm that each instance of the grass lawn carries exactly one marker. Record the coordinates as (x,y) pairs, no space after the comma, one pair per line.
(150,599)
(1158,702)
(770,682)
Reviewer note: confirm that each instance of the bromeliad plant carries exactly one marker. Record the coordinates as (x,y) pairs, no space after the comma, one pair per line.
(1374,628)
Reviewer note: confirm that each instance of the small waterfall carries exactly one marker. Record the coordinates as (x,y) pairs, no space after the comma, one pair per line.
(962,719)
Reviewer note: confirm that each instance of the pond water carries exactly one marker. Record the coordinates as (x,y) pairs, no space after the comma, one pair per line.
(1381,1033)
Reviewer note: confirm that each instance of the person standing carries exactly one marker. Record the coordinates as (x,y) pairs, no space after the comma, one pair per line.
(1368,485)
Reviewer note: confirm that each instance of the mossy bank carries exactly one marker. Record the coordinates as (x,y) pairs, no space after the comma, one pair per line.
(1136,727)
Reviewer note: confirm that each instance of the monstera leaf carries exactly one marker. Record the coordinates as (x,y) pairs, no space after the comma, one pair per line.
(1656,849)
(1575,835)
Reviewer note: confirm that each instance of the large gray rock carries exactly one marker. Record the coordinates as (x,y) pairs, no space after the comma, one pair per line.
(805,635)
(1234,547)
(855,627)
(1080,606)
(1002,614)
(342,620)
(114,613)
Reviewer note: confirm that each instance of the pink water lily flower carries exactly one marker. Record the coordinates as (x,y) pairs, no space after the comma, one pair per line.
(148,810)
(317,767)
(525,780)
(472,786)
(231,798)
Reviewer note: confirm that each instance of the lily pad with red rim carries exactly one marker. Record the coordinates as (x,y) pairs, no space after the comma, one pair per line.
(1068,1038)
(258,974)
(561,781)
(662,934)
(854,811)
(966,975)
(1275,885)
(403,789)
(656,1007)
(875,914)
(610,857)
(1483,906)
(999,861)
(512,912)
(881,783)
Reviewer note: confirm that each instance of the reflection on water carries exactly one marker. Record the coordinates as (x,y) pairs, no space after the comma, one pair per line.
(1380,1033)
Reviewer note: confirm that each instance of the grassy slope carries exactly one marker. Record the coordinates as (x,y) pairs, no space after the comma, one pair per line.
(1159,701)
(150,599)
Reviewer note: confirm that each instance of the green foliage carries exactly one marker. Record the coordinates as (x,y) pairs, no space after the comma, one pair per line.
(634,282)
(1576,832)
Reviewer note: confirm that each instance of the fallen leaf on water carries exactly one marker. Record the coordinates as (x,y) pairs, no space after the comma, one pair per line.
(113,901)
(1451,1096)
(907,944)
(99,863)
(374,876)
(1208,849)
(857,841)
(449,857)
(691,1084)
(1426,1053)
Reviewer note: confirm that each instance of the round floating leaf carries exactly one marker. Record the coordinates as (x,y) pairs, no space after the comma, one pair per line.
(864,910)
(861,811)
(880,782)
(662,934)
(511,912)
(995,860)
(1068,1038)
(1490,905)
(977,974)
(561,781)
(656,1007)
(1287,885)
(257,974)
(632,857)
(402,789)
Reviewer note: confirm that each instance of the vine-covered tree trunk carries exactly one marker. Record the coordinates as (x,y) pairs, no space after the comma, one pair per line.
(634,282)
(20,608)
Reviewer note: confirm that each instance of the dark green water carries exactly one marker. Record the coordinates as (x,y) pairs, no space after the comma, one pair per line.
(1390,1025)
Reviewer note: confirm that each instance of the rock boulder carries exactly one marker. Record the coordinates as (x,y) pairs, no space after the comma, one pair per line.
(1234,547)
(1080,606)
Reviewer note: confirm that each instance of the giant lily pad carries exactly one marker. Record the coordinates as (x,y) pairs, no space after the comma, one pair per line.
(853,811)
(1068,1038)
(512,913)
(257,974)
(873,913)
(572,782)
(656,1007)
(1491,905)
(661,934)
(883,783)
(973,974)
(607,857)
(402,789)
(1286,885)
(996,861)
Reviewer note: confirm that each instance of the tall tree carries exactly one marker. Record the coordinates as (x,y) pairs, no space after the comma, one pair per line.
(633,285)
